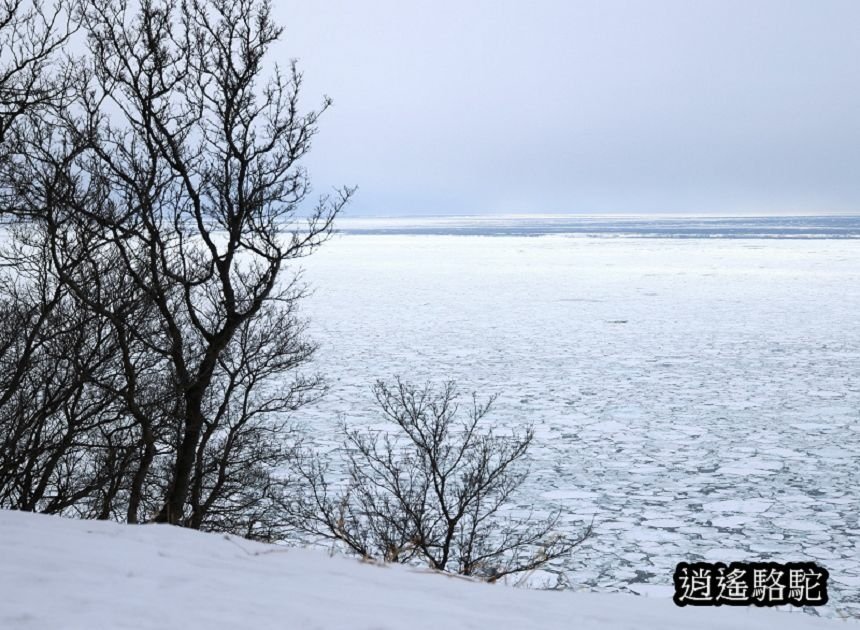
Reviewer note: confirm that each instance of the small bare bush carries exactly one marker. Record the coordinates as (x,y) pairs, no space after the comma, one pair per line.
(434,491)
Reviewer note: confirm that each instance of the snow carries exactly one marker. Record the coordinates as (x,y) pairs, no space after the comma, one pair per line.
(732,392)
(63,574)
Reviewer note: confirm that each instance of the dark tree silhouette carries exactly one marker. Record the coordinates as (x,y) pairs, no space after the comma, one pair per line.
(32,35)
(170,204)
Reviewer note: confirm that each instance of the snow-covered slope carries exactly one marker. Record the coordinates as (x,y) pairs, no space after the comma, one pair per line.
(64,574)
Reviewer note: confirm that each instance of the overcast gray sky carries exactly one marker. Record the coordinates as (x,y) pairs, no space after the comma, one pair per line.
(551,106)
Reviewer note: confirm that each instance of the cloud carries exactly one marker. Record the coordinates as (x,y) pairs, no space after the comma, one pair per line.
(600,106)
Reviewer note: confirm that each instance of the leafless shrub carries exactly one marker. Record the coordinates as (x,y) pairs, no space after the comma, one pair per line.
(434,491)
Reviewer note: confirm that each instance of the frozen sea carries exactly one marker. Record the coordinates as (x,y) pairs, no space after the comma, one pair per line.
(695,387)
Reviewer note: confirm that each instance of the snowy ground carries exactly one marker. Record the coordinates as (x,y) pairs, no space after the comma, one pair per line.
(698,398)
(59,574)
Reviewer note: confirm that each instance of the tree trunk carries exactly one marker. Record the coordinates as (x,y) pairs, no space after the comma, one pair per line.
(136,495)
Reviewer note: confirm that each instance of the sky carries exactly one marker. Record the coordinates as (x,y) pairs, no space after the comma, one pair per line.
(598,106)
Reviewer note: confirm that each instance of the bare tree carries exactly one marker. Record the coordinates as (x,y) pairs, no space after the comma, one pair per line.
(31,37)
(170,198)
(238,483)
(435,491)
(52,420)
(45,409)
